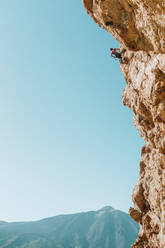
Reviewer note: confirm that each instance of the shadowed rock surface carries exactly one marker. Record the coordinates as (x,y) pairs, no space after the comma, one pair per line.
(95,229)
(139,26)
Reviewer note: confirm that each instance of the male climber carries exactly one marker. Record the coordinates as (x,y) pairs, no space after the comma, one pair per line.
(115,53)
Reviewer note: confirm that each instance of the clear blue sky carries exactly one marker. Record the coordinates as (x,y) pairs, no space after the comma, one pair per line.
(67,143)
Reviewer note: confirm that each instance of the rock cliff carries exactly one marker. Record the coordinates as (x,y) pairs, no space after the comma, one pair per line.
(139,27)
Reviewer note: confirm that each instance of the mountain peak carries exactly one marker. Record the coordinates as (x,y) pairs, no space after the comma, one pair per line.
(92,229)
(106,208)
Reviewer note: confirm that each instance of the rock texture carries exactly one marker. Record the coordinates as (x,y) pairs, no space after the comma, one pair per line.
(139,26)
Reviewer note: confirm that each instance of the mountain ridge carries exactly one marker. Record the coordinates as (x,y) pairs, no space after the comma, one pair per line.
(106,227)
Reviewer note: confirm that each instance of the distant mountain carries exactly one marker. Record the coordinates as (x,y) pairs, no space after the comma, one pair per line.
(105,228)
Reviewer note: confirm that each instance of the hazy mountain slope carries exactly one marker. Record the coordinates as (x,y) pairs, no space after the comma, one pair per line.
(104,228)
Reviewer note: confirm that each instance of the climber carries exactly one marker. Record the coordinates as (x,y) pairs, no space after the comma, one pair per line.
(115,53)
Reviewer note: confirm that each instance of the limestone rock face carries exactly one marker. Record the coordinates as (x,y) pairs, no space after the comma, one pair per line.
(139,26)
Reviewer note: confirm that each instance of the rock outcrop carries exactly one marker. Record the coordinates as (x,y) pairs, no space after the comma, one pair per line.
(139,27)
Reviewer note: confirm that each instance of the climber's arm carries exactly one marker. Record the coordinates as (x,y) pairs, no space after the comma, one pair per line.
(113,55)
